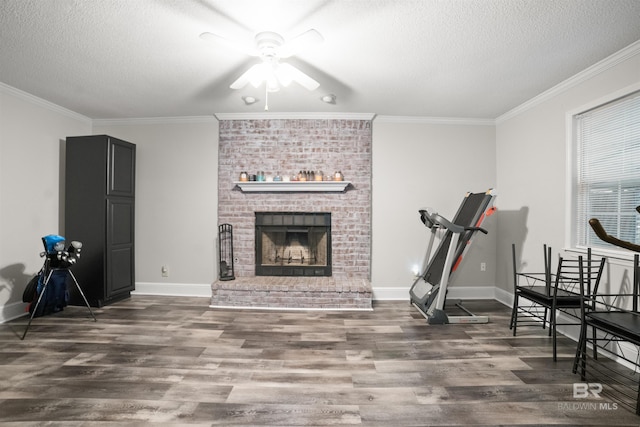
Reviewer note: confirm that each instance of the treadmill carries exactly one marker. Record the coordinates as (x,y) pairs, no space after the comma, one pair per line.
(429,291)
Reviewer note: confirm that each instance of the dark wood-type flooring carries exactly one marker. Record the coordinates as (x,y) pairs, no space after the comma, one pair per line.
(175,361)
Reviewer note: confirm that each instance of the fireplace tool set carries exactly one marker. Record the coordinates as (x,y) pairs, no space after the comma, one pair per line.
(225,252)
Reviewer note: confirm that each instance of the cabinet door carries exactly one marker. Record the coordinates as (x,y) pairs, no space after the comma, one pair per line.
(120,247)
(122,160)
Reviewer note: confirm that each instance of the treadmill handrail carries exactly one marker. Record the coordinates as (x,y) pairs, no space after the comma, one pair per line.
(476,229)
(434,219)
(442,221)
(425,217)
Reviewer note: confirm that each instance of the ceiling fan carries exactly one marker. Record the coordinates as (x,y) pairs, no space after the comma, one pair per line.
(271,47)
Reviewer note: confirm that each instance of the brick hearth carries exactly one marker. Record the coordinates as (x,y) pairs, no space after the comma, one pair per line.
(292,292)
(286,146)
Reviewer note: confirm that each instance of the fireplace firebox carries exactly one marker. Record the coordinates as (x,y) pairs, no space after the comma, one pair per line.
(293,243)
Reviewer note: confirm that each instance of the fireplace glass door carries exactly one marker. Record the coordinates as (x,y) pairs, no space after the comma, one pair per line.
(293,244)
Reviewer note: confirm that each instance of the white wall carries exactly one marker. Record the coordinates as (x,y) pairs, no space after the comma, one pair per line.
(422,163)
(176,202)
(532,164)
(31,135)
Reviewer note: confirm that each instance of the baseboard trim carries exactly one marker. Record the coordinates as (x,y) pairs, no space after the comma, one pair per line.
(257,307)
(457,292)
(505,297)
(12,311)
(379,294)
(173,289)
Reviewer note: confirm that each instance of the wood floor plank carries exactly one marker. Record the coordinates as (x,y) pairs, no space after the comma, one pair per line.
(324,395)
(231,414)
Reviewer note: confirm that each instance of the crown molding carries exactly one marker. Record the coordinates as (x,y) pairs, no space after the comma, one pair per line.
(611,61)
(435,120)
(294,116)
(32,99)
(154,121)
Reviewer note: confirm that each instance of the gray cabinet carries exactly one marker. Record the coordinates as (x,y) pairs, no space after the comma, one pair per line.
(99,212)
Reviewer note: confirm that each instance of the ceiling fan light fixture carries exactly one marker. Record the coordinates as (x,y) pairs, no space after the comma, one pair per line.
(258,74)
(273,85)
(283,74)
(271,47)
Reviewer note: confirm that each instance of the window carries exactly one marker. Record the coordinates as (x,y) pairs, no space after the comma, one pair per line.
(607,171)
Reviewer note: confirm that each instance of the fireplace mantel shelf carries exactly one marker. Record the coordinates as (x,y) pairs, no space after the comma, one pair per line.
(292,186)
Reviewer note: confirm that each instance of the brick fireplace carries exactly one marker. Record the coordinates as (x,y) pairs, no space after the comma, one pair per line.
(284,147)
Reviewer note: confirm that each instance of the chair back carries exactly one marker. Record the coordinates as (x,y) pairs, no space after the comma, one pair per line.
(636,280)
(547,268)
(548,275)
(579,276)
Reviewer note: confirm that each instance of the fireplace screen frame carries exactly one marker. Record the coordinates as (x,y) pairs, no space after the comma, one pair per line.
(310,222)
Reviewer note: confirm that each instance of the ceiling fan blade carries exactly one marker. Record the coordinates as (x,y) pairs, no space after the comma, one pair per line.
(252,75)
(287,73)
(300,42)
(248,49)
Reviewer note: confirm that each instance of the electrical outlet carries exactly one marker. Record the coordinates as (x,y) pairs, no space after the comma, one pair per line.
(165,271)
(483,266)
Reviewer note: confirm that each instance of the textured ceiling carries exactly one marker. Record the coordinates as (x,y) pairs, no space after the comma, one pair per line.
(112,59)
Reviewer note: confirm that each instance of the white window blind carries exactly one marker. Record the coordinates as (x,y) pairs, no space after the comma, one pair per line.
(608,175)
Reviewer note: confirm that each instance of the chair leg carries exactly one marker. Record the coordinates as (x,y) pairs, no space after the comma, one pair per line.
(33,312)
(581,348)
(513,311)
(552,330)
(583,354)
(551,318)
(83,297)
(638,401)
(574,369)
(514,314)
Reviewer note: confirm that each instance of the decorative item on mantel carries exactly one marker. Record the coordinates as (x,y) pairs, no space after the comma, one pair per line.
(308,176)
(303,181)
(301,176)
